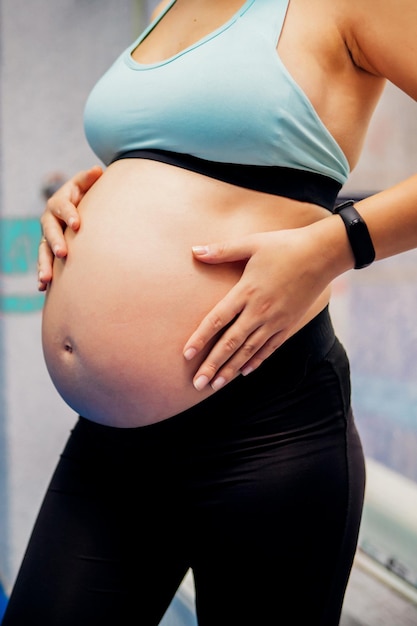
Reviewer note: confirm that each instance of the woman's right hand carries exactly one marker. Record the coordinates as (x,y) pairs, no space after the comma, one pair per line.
(61,212)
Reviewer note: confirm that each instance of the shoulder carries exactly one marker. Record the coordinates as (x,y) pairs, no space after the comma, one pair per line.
(158,9)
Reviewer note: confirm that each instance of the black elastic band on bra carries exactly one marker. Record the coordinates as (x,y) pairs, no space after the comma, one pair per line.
(280,181)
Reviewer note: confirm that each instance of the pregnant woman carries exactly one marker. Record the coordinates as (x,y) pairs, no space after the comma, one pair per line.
(186,317)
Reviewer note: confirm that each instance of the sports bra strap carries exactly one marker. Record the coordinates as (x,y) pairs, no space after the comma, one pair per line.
(270,15)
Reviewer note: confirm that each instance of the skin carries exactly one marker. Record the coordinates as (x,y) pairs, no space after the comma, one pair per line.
(341,52)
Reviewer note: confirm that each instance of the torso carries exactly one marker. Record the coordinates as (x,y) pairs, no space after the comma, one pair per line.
(122,305)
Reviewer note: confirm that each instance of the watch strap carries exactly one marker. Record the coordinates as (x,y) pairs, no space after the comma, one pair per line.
(358,234)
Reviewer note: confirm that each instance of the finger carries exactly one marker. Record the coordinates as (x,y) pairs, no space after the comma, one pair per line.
(62,208)
(237,365)
(45,263)
(86,179)
(219,317)
(232,351)
(63,204)
(211,370)
(225,252)
(269,347)
(53,231)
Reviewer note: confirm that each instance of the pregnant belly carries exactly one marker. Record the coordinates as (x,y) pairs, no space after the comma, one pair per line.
(123,303)
(129,294)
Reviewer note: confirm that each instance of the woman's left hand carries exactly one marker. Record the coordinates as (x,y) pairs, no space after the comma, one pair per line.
(285,273)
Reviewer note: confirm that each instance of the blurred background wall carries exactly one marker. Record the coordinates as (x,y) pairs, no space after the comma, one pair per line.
(51,54)
(379,305)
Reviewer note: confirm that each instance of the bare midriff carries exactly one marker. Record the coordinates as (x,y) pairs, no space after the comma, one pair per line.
(129,294)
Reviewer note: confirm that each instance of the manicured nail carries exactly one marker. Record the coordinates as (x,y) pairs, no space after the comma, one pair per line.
(200,250)
(246,370)
(218,383)
(71,222)
(190,354)
(201,382)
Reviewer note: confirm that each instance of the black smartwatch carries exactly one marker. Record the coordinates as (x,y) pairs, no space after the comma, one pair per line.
(358,234)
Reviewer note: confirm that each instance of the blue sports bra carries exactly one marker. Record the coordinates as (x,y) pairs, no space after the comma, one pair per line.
(224,102)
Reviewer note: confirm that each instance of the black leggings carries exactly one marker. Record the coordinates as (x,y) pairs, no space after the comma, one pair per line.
(258,489)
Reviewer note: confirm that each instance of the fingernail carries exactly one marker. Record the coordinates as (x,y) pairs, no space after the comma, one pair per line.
(201,382)
(218,383)
(200,250)
(190,354)
(246,370)
(71,222)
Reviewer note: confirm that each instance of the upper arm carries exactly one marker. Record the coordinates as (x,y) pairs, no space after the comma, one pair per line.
(383,39)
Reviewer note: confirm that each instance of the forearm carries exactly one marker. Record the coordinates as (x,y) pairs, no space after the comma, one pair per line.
(391,218)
